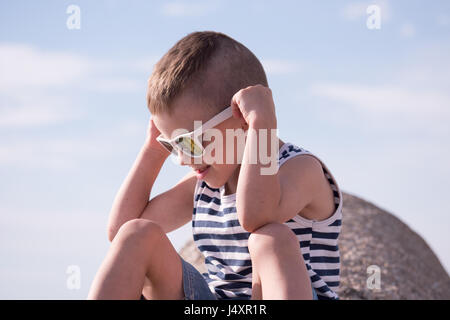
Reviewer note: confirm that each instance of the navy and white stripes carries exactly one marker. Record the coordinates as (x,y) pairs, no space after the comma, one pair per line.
(223,242)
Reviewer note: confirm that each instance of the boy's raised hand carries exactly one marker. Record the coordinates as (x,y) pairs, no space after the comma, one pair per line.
(151,142)
(255,105)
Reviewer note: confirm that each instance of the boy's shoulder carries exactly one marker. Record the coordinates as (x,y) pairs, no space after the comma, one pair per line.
(294,158)
(304,168)
(302,176)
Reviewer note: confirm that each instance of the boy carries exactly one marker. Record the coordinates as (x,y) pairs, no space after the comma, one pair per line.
(264,236)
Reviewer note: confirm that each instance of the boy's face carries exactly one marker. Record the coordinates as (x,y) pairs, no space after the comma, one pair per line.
(186,110)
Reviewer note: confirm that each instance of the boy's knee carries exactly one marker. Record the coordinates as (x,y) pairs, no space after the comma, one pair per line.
(271,236)
(139,231)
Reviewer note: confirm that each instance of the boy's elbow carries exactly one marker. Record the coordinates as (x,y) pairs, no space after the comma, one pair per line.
(252,218)
(111,231)
(255,219)
(250,223)
(247,226)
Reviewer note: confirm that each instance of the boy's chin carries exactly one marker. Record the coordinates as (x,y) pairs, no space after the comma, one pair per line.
(213,183)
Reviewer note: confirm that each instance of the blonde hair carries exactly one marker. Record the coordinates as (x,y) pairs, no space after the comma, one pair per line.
(211,64)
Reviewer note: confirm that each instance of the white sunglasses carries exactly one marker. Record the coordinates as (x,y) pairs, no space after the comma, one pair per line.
(189,143)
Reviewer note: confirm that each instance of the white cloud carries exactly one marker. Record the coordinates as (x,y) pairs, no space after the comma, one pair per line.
(427,68)
(357,10)
(118,84)
(55,153)
(40,88)
(29,81)
(407,30)
(25,116)
(37,86)
(386,108)
(354,11)
(416,96)
(389,100)
(278,66)
(62,153)
(147,63)
(24,66)
(189,9)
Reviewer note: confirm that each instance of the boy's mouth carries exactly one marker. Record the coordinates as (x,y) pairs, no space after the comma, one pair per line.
(201,172)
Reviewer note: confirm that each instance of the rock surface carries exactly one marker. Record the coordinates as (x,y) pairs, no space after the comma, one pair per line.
(371,236)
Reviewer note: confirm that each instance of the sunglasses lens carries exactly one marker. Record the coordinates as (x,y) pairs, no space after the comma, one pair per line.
(168,146)
(189,146)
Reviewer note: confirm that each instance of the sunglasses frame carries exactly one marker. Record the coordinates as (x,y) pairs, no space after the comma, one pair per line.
(193,135)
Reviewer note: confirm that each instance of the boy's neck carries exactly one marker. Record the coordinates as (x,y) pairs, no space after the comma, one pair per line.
(231,184)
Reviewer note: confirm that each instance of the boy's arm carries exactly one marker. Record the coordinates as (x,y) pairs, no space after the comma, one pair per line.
(263,199)
(170,209)
(260,198)
(173,208)
(133,195)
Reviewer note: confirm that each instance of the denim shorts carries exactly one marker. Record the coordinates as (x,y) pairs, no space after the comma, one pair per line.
(195,286)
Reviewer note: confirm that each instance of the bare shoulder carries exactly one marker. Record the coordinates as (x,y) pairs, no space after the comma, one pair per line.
(304,165)
(302,177)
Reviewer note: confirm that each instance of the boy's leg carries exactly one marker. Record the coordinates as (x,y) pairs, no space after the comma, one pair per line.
(279,271)
(140,250)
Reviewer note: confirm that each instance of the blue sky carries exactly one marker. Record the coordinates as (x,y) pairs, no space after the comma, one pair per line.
(374,105)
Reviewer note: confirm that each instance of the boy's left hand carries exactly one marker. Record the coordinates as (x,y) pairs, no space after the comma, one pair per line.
(255,105)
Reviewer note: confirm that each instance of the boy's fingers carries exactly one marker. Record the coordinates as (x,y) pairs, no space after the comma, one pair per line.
(235,109)
(236,113)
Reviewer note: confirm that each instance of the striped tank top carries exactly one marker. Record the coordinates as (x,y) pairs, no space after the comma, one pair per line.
(224,243)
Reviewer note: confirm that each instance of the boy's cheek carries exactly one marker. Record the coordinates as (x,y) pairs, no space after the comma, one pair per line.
(222,172)
(226,147)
